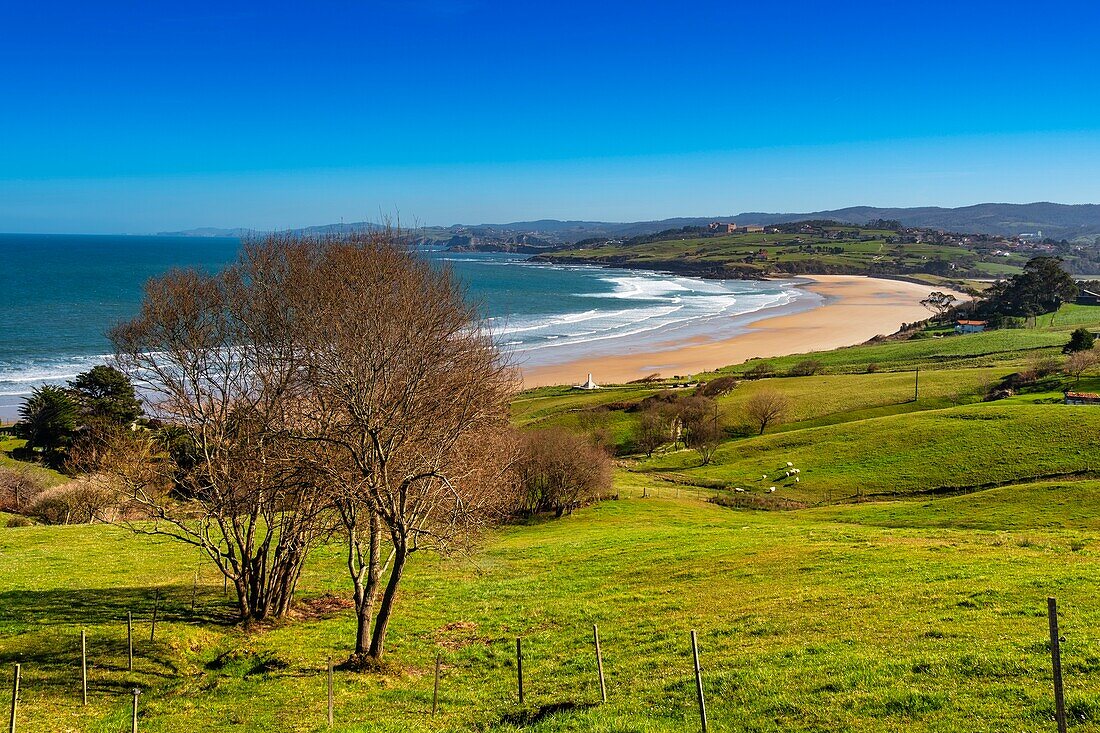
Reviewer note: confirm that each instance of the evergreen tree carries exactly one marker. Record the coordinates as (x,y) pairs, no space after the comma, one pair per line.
(106,395)
(1081,340)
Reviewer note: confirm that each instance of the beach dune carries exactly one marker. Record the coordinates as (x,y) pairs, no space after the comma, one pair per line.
(855,309)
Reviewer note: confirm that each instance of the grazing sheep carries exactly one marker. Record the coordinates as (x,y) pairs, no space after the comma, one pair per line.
(739,490)
(796,479)
(771,489)
(789,464)
(764,477)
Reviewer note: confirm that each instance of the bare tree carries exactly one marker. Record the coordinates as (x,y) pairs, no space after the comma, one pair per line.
(701,430)
(408,409)
(651,431)
(559,470)
(1080,362)
(766,407)
(211,358)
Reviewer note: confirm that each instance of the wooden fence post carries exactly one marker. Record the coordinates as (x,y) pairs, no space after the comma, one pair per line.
(153,626)
(699,681)
(133,724)
(599,662)
(435,691)
(519,667)
(130,639)
(84,664)
(14,699)
(331,701)
(1056,663)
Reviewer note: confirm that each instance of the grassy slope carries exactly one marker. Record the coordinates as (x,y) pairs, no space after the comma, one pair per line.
(872,617)
(48,476)
(918,615)
(951,449)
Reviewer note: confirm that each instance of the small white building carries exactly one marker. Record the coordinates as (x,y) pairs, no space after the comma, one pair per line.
(587,385)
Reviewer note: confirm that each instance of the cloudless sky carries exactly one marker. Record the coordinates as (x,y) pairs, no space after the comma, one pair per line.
(129,116)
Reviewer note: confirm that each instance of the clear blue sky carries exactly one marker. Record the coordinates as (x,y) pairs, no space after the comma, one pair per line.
(129,116)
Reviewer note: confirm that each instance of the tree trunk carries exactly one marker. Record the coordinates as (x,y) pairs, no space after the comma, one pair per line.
(385,609)
(367,593)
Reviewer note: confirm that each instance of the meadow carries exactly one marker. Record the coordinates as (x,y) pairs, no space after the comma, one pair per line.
(905,591)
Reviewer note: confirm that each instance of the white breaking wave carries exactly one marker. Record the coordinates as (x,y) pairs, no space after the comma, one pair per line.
(640,306)
(16,380)
(676,303)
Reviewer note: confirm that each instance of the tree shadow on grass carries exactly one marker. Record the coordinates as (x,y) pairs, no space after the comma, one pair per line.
(41,631)
(43,627)
(97,606)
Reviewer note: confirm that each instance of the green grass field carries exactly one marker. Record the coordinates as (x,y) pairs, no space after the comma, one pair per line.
(907,593)
(877,617)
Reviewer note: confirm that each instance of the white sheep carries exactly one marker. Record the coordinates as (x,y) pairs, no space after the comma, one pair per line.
(739,490)
(764,477)
(796,479)
(771,489)
(789,464)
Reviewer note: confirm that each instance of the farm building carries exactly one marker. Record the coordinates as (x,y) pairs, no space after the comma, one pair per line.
(970,326)
(1087,297)
(1082,398)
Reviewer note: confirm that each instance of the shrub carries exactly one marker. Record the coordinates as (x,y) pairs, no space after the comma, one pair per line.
(18,488)
(19,521)
(872,367)
(718,387)
(761,370)
(80,501)
(806,368)
(559,471)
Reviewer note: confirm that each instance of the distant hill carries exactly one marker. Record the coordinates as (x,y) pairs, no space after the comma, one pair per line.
(1059,221)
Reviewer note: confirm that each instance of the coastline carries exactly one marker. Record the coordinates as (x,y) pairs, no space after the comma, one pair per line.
(853,309)
(828,312)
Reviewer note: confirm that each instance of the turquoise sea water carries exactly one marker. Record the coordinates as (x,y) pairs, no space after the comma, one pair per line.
(60,294)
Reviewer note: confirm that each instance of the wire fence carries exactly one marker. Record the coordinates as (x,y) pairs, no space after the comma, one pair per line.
(326,685)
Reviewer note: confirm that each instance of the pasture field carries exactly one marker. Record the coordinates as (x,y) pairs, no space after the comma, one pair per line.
(901,584)
(916,615)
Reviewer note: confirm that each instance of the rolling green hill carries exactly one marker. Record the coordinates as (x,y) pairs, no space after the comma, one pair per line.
(902,588)
(821,250)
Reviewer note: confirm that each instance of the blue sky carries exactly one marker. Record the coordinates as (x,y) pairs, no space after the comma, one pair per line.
(143,116)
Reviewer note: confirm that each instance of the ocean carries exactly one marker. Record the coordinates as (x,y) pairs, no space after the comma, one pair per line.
(59,295)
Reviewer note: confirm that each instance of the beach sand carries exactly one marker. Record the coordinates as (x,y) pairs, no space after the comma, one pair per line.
(856,309)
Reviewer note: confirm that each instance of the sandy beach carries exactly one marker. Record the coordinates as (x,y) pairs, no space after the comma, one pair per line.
(855,309)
